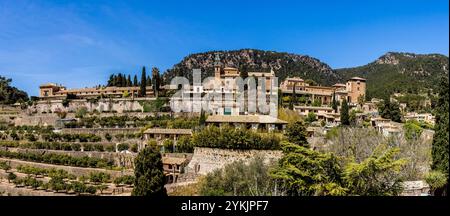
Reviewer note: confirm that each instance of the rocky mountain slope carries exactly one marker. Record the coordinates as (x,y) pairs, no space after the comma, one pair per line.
(400,72)
(392,72)
(283,64)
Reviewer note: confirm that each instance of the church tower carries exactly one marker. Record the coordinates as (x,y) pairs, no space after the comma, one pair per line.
(217,65)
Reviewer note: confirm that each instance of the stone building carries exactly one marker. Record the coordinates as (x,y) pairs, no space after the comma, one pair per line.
(326,114)
(224,92)
(421,117)
(255,122)
(55,91)
(161,134)
(173,168)
(352,90)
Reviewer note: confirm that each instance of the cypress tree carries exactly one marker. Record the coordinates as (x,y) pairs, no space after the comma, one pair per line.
(124,80)
(111,80)
(439,149)
(334,102)
(149,81)
(135,81)
(156,80)
(149,174)
(202,119)
(120,80)
(244,72)
(129,83)
(293,99)
(143,83)
(345,117)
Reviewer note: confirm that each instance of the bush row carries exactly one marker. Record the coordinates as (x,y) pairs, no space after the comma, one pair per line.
(59,146)
(58,159)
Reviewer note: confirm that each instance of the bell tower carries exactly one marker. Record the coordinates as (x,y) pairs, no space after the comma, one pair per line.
(217,65)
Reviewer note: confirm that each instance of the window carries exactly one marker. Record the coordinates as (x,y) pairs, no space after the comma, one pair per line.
(170,166)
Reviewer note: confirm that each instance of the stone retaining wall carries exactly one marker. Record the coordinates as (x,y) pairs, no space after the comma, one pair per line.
(100,131)
(102,105)
(37,119)
(206,160)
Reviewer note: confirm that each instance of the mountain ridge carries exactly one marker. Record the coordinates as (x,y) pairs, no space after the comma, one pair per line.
(389,73)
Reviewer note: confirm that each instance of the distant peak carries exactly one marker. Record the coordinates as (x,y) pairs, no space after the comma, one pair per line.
(388,58)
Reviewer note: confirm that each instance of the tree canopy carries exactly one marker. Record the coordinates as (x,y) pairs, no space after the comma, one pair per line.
(440,153)
(9,94)
(296,133)
(345,116)
(149,174)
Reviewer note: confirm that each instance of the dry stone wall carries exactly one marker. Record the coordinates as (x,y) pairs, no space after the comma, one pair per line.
(206,160)
(35,120)
(101,105)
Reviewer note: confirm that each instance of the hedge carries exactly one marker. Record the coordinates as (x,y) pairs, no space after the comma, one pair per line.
(231,138)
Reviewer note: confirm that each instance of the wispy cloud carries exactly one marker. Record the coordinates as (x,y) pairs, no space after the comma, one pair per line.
(76,39)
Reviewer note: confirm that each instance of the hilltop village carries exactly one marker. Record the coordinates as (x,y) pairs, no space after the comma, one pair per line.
(85,141)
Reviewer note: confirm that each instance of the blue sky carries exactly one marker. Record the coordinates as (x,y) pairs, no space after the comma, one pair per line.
(79,43)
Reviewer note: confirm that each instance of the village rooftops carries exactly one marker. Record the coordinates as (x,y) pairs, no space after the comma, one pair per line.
(264,119)
(109,88)
(339,85)
(229,68)
(380,119)
(49,85)
(313,108)
(168,131)
(174,160)
(296,79)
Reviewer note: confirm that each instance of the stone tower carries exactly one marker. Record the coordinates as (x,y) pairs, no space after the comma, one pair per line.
(217,66)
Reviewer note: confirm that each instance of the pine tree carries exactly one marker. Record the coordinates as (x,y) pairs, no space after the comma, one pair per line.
(149,174)
(296,133)
(440,148)
(135,81)
(345,116)
(390,111)
(143,90)
(385,109)
(395,112)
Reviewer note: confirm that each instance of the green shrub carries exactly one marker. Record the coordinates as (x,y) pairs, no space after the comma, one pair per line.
(122,147)
(230,138)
